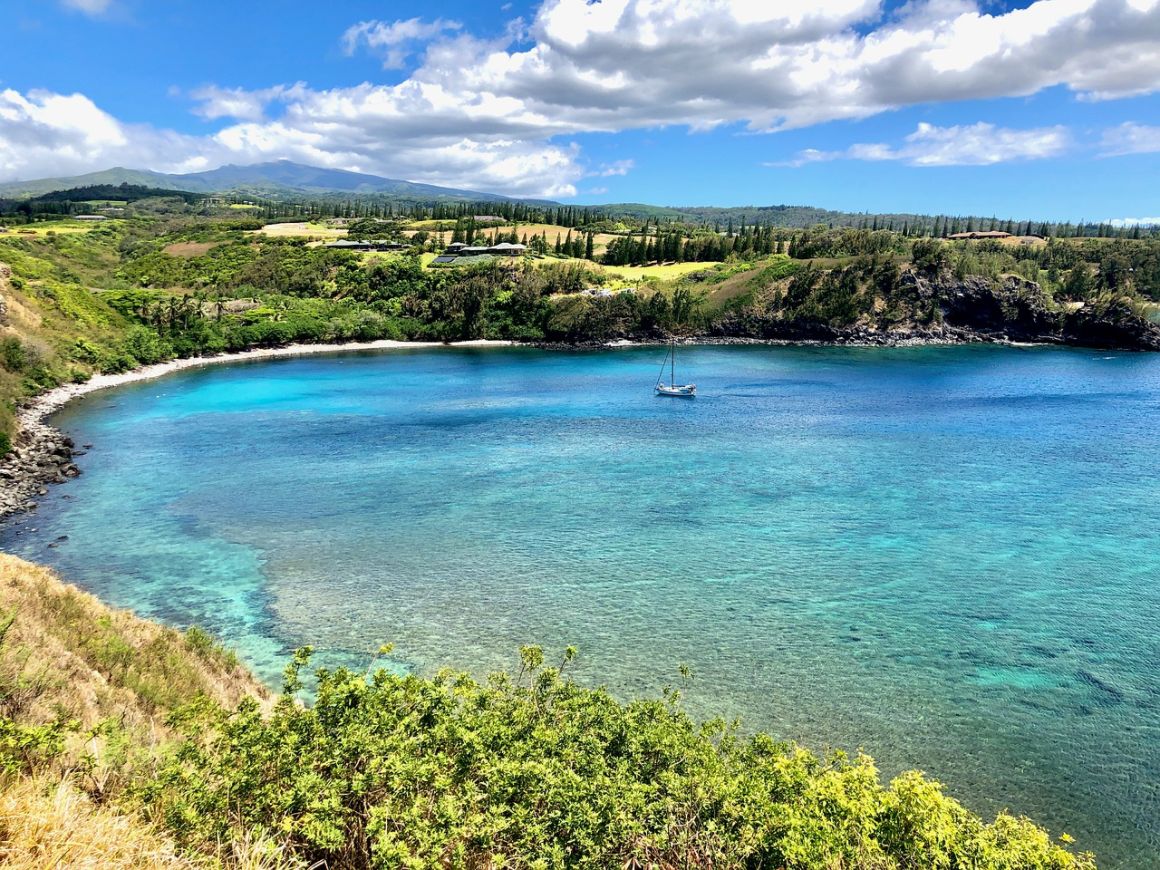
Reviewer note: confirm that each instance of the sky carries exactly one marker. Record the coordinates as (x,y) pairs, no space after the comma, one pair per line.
(1040,109)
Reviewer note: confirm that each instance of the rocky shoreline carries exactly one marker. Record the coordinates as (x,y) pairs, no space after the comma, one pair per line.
(854,337)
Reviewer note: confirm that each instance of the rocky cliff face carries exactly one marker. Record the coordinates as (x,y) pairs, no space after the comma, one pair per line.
(1017,310)
(948,310)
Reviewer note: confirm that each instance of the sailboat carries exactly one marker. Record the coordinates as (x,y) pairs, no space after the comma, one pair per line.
(680,391)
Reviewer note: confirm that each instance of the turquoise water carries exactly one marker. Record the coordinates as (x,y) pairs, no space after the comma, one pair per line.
(947,556)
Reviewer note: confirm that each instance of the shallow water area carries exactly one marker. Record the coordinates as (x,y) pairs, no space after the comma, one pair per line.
(945,555)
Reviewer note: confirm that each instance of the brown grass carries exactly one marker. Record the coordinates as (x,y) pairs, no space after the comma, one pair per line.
(64,655)
(65,651)
(50,823)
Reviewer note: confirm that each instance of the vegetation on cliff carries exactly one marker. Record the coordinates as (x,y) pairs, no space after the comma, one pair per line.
(125,744)
(107,297)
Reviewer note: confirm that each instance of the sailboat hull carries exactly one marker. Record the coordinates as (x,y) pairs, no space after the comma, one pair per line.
(686,391)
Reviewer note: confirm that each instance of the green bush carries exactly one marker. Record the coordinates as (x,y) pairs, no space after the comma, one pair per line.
(146,346)
(13,355)
(536,771)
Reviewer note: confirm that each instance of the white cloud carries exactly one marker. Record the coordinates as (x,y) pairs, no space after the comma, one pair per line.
(89,7)
(1133,222)
(618,167)
(619,64)
(500,114)
(979,144)
(216,102)
(394,42)
(43,133)
(1130,138)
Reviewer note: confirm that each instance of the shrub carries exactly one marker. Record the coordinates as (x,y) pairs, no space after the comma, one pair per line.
(13,355)
(536,771)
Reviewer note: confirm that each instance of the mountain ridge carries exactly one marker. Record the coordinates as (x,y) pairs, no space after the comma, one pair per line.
(278,176)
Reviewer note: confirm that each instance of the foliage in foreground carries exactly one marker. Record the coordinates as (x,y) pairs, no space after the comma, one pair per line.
(536,771)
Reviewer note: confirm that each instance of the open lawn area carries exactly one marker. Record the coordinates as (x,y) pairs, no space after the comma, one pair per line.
(41,230)
(302,229)
(662,272)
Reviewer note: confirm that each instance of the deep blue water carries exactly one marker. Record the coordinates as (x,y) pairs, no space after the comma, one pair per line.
(947,556)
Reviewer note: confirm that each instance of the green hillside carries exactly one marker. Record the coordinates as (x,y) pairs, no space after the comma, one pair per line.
(80,298)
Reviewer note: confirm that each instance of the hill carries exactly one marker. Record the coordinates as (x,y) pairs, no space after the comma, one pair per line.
(276,177)
(123,192)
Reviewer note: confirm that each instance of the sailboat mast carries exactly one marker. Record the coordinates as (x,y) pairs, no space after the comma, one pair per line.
(673,364)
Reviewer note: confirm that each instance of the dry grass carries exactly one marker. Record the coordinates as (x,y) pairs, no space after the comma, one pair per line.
(732,287)
(61,228)
(67,651)
(50,823)
(599,242)
(66,656)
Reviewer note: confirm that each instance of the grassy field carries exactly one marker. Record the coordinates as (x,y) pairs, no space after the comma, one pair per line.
(40,230)
(302,229)
(662,271)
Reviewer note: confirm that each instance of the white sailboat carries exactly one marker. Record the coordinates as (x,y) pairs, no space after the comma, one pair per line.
(672,388)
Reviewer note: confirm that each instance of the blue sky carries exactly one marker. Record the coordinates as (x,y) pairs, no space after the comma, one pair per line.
(1047,109)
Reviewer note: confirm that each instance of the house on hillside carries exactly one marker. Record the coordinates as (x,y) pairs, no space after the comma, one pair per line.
(459,253)
(90,217)
(507,249)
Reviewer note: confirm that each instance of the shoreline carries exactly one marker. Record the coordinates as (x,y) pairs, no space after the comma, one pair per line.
(47,403)
(43,455)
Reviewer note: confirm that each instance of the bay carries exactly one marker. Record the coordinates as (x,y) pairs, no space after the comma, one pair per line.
(947,556)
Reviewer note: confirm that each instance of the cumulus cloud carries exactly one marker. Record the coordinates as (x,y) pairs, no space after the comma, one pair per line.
(216,102)
(979,144)
(701,63)
(394,42)
(500,114)
(1130,138)
(43,133)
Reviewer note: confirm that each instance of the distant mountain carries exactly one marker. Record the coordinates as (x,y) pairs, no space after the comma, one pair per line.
(275,178)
